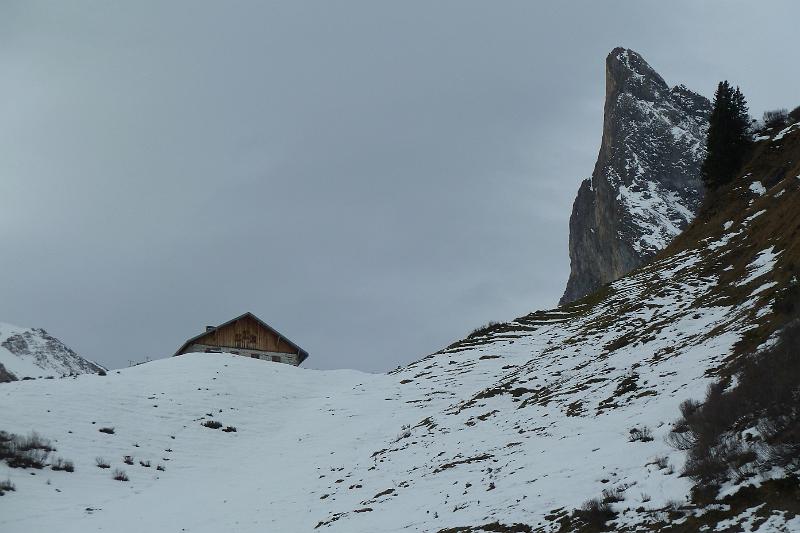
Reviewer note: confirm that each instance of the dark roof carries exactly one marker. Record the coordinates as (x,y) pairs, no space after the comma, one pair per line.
(301,352)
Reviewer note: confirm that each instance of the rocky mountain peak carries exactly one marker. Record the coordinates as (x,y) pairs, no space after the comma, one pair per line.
(32,352)
(627,71)
(646,184)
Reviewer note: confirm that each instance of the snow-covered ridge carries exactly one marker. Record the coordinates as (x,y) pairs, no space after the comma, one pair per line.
(32,352)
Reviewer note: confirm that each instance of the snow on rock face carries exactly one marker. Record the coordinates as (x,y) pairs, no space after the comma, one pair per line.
(646,184)
(32,352)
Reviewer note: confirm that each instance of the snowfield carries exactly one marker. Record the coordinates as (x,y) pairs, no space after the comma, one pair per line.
(293,426)
(304,451)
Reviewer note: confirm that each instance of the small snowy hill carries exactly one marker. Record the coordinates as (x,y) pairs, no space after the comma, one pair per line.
(294,427)
(510,429)
(32,352)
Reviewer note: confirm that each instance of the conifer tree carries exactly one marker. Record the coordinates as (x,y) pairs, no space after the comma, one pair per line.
(742,119)
(728,136)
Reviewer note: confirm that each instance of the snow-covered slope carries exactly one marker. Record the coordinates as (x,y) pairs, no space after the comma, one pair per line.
(518,424)
(293,426)
(32,352)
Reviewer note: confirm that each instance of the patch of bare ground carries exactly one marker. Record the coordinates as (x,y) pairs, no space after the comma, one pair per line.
(493,527)
(445,466)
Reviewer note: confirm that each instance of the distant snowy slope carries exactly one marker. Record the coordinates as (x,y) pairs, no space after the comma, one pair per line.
(32,352)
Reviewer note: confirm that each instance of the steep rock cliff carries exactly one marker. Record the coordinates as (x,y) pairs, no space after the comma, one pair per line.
(646,185)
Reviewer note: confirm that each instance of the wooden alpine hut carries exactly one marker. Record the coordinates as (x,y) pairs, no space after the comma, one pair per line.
(249,336)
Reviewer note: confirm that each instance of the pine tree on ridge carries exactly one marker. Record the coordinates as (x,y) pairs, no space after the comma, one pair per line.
(728,136)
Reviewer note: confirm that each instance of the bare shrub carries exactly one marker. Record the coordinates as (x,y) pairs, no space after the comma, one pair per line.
(595,514)
(212,424)
(6,486)
(661,462)
(787,301)
(673,505)
(230,429)
(705,464)
(613,495)
(61,464)
(640,435)
(483,330)
(405,432)
(704,494)
(31,451)
(794,114)
(101,463)
(777,118)
(33,442)
(681,437)
(119,475)
(145,464)
(767,396)
(5,446)
(109,431)
(127,459)
(160,468)
(35,458)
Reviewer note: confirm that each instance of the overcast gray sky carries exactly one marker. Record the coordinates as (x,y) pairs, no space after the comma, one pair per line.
(373,179)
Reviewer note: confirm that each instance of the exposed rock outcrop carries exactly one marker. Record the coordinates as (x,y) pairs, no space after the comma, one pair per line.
(646,184)
(5,375)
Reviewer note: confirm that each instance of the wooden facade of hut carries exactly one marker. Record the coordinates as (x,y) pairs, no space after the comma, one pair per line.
(249,336)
